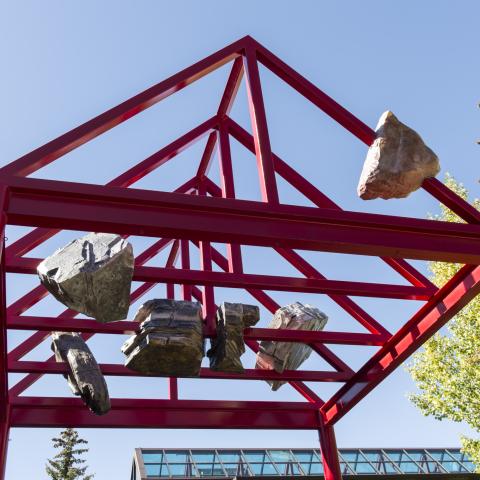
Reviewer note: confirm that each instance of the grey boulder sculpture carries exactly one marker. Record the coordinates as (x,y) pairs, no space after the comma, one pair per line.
(228,346)
(280,356)
(84,378)
(91,275)
(170,341)
(397,162)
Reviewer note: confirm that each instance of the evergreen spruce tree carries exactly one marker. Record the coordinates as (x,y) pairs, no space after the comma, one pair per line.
(66,465)
(447,370)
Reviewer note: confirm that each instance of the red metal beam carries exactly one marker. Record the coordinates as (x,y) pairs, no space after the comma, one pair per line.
(446,303)
(234,252)
(263,151)
(248,280)
(140,413)
(226,103)
(130,211)
(4,399)
(328,447)
(250,374)
(125,327)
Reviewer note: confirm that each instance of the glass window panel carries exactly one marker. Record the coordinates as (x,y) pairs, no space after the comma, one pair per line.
(361,467)
(152,457)
(229,457)
(469,465)
(345,469)
(452,467)
(280,455)
(395,455)
(409,467)
(312,468)
(456,454)
(181,470)
(178,456)
(416,454)
(305,456)
(350,455)
(263,469)
(209,469)
(438,454)
(152,470)
(432,467)
(288,468)
(203,457)
(255,456)
(386,467)
(232,468)
(373,456)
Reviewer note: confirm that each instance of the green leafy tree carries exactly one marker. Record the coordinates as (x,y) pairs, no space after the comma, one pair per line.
(447,370)
(67,464)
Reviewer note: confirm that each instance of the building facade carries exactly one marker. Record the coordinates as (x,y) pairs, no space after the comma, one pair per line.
(238,464)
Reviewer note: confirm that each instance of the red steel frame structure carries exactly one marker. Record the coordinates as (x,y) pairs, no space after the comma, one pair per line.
(200,212)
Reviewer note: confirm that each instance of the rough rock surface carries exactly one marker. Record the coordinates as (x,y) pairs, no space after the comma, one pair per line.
(170,341)
(85,378)
(91,275)
(228,346)
(280,356)
(397,162)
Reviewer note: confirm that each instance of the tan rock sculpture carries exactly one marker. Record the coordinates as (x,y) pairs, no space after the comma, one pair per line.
(397,162)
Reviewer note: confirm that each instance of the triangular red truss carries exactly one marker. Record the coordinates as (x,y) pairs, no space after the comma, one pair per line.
(200,212)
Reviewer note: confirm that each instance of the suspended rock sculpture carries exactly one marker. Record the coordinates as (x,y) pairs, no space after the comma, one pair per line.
(228,346)
(397,162)
(91,275)
(280,356)
(84,378)
(170,341)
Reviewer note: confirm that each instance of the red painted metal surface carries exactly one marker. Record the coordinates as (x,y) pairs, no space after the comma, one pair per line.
(200,214)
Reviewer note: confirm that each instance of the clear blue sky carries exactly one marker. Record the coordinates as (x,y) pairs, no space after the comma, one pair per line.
(65,62)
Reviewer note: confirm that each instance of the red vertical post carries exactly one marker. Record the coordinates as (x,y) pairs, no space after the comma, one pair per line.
(328,446)
(4,403)
(208,295)
(234,252)
(185,261)
(170,263)
(263,150)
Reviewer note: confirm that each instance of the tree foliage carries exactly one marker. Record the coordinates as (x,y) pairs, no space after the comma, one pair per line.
(447,370)
(67,464)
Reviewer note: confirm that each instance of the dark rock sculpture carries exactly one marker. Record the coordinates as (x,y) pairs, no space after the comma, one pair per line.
(85,378)
(170,341)
(228,346)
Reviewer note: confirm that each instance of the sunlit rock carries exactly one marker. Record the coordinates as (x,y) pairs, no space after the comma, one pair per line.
(91,275)
(280,356)
(397,162)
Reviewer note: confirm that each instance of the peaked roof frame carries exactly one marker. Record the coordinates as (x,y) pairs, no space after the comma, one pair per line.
(200,212)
